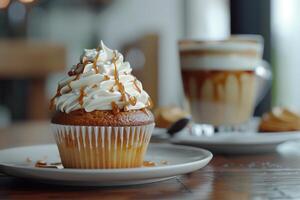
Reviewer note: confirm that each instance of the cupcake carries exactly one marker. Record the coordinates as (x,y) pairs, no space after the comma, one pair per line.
(102,117)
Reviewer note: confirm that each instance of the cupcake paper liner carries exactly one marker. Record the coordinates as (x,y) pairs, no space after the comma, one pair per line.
(102,147)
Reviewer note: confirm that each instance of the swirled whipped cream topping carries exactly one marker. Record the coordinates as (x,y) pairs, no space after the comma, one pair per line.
(100,81)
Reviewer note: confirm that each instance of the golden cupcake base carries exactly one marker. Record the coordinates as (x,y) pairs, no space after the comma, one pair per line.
(100,147)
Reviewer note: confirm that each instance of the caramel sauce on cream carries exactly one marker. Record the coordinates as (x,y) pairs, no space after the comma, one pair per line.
(95,63)
(115,108)
(81,96)
(125,97)
(112,88)
(122,91)
(137,87)
(118,83)
(126,109)
(150,103)
(58,93)
(79,68)
(106,78)
(132,100)
(95,86)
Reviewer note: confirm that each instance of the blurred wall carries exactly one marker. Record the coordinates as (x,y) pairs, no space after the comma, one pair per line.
(286,47)
(207,20)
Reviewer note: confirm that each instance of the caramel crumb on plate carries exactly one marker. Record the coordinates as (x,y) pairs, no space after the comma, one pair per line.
(43,164)
(40,163)
(149,164)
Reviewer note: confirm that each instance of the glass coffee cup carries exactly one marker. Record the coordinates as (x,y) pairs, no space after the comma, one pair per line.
(224,80)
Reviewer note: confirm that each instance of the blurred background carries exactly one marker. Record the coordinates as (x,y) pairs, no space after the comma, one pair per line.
(41,39)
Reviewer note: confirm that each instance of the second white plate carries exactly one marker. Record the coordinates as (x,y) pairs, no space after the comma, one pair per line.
(237,143)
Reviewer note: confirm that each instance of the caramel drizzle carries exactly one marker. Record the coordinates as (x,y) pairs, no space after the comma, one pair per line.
(112,88)
(95,61)
(106,77)
(117,81)
(115,108)
(81,96)
(132,100)
(116,74)
(78,72)
(58,93)
(95,86)
(79,68)
(149,103)
(126,109)
(122,91)
(137,87)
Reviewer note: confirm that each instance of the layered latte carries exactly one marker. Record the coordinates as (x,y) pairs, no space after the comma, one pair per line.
(219,79)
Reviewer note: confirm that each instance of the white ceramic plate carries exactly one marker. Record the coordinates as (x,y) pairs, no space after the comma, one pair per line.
(181,160)
(237,143)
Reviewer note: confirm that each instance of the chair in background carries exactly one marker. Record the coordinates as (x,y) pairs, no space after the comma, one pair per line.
(34,61)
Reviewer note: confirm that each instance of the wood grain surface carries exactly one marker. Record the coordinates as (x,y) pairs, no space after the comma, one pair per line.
(29,59)
(263,176)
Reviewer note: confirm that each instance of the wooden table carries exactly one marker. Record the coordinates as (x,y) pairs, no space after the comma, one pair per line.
(268,176)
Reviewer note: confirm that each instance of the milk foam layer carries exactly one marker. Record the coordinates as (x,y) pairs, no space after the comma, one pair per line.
(238,53)
(219,63)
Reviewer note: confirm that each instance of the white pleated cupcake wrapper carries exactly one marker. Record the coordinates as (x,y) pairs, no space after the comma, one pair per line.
(85,139)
